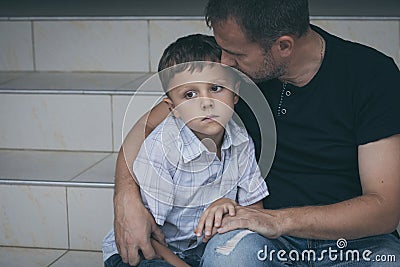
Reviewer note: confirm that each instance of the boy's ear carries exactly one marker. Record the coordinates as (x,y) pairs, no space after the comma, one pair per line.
(171,106)
(235,99)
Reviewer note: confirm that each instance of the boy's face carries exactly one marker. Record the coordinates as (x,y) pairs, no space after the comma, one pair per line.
(204,99)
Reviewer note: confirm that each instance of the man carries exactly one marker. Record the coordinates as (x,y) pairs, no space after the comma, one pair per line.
(336,173)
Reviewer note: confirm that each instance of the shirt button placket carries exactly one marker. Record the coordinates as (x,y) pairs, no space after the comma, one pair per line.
(287,94)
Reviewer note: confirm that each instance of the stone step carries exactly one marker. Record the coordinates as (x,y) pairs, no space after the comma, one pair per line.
(37,257)
(55,200)
(71,111)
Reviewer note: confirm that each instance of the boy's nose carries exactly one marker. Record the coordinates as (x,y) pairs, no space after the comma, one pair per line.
(206,103)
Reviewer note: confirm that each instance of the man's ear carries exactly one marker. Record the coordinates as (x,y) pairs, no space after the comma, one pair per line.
(171,106)
(285,45)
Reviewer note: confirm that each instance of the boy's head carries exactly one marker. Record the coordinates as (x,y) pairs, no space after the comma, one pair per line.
(199,89)
(195,47)
(188,49)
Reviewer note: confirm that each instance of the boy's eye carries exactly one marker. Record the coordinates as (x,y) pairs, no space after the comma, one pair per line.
(190,94)
(216,88)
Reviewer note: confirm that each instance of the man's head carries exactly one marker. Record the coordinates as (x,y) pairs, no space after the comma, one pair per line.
(256,36)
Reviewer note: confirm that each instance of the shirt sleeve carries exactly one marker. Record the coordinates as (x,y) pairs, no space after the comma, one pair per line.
(377,102)
(154,179)
(251,186)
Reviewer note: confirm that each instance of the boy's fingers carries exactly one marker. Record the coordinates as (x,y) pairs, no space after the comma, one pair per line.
(218,218)
(209,224)
(200,225)
(232,210)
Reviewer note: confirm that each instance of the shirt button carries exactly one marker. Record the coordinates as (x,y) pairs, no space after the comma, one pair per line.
(288,93)
(283,111)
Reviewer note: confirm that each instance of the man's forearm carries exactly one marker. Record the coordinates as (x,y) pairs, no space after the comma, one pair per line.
(366,215)
(377,211)
(363,216)
(124,176)
(124,182)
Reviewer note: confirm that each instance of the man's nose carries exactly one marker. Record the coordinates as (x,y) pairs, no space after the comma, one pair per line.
(228,59)
(206,103)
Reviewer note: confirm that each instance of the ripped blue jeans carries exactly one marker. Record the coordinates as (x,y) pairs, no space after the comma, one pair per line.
(246,248)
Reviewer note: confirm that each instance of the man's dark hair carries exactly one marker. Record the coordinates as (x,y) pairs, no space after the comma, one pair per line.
(188,49)
(262,21)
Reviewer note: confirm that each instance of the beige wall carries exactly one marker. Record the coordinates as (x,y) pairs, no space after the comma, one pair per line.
(136,45)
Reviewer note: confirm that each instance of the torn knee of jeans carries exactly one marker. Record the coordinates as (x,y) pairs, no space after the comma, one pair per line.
(230,245)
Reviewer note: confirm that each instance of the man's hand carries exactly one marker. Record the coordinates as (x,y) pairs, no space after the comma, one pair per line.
(264,222)
(212,217)
(133,227)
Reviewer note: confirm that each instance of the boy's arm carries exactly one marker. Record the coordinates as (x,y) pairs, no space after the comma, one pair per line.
(166,254)
(133,224)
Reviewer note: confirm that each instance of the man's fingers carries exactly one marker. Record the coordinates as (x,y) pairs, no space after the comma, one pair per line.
(148,251)
(133,256)
(159,235)
(123,252)
(231,223)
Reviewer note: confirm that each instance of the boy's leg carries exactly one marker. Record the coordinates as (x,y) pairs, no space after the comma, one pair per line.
(116,261)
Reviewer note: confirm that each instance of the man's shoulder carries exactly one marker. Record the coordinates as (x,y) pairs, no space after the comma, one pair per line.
(350,51)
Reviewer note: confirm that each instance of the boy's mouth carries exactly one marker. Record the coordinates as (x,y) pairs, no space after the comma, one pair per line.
(209,118)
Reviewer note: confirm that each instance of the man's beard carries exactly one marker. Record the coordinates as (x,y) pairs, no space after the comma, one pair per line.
(268,71)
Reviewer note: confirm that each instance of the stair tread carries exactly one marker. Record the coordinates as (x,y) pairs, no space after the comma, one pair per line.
(57,167)
(72,82)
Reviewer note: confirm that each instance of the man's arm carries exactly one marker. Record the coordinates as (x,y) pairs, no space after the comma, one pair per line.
(377,211)
(133,224)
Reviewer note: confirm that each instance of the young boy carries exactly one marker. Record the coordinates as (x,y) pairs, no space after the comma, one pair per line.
(196,156)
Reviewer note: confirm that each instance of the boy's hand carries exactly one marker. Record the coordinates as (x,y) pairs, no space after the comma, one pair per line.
(212,217)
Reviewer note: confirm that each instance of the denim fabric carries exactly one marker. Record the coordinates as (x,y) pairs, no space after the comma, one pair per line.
(256,250)
(116,261)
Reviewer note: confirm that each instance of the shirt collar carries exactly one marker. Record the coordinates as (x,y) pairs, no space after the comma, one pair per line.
(190,146)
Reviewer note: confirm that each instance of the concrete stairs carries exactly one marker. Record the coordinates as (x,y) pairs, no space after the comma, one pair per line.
(65,85)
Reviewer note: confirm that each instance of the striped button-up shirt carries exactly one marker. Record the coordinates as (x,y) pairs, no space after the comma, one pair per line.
(179,178)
